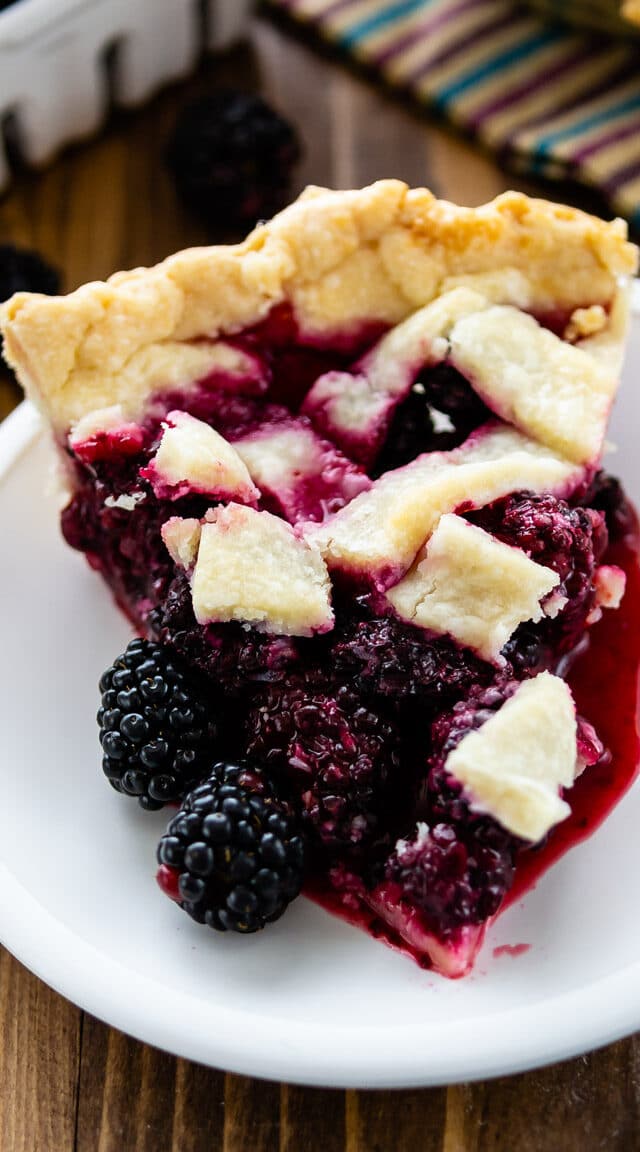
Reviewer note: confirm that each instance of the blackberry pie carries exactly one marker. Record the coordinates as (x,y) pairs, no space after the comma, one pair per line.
(345,481)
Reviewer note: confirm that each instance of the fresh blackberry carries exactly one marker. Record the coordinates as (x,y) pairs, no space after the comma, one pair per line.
(337,756)
(396,661)
(22,270)
(233,856)
(157,733)
(231,157)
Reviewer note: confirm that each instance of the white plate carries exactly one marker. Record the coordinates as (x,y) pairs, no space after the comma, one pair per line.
(311,1000)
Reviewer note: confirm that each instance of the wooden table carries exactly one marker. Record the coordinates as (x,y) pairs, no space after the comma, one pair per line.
(68,1081)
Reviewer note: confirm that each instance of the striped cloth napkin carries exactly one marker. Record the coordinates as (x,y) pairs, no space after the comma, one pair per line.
(551,101)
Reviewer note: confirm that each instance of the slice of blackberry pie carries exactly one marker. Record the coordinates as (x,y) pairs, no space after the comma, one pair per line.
(345,481)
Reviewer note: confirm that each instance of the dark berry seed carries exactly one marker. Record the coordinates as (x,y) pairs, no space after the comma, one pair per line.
(245,834)
(110,719)
(129,700)
(199,859)
(243,901)
(135,728)
(112,769)
(242,867)
(267,882)
(272,850)
(134,782)
(114,746)
(171,851)
(163,788)
(155,753)
(276,824)
(236,808)
(227,791)
(217,828)
(149,804)
(192,888)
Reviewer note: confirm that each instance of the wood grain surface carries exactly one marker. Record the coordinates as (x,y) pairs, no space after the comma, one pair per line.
(67,1080)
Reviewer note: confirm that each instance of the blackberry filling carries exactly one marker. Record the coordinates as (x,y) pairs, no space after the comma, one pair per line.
(454,877)
(120,532)
(439,413)
(393,661)
(568,540)
(341,723)
(458,866)
(340,759)
(233,658)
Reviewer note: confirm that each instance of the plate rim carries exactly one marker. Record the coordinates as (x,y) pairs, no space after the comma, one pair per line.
(87,977)
(559,1027)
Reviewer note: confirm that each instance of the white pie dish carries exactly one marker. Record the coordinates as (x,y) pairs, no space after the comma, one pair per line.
(312,1000)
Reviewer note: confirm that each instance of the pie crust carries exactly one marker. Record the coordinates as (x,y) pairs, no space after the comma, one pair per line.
(341,259)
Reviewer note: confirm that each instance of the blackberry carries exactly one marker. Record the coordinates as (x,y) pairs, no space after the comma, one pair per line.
(156,731)
(395,661)
(412,432)
(453,879)
(607,495)
(337,756)
(231,657)
(458,865)
(568,540)
(231,157)
(442,797)
(22,270)
(233,856)
(415,429)
(449,392)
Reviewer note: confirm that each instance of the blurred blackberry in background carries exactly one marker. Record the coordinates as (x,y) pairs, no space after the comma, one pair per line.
(231,157)
(23,270)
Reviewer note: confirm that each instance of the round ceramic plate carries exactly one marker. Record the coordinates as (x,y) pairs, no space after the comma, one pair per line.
(311,1000)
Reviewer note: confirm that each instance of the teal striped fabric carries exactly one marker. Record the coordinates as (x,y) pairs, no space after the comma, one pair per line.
(546,98)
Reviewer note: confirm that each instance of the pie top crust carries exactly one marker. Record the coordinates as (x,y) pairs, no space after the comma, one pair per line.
(341,259)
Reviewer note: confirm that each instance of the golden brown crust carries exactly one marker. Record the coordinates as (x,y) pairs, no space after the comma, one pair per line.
(630,10)
(341,258)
